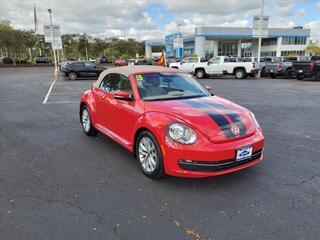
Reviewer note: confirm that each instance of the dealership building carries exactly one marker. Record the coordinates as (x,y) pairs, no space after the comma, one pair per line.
(207,42)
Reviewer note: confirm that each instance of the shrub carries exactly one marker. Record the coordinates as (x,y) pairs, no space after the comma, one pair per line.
(7,60)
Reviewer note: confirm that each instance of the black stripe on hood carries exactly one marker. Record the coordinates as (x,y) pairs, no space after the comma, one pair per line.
(219,119)
(235,118)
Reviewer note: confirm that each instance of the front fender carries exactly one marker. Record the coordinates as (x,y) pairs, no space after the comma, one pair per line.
(87,98)
(156,123)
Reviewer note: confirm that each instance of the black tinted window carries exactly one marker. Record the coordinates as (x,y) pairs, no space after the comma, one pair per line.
(77,64)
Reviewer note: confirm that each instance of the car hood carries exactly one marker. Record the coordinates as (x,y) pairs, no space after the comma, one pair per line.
(218,119)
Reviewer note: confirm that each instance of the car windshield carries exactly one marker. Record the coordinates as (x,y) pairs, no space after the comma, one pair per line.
(167,86)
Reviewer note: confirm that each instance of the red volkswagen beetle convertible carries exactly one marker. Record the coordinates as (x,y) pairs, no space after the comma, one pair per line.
(171,123)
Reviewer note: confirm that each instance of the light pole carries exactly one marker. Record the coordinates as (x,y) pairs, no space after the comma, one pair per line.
(54,51)
(179,40)
(260,38)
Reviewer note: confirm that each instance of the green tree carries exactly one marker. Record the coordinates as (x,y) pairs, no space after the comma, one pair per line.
(313,50)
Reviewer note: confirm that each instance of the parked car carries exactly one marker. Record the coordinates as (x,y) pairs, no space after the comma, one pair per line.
(263,62)
(186,64)
(305,69)
(82,69)
(222,65)
(132,62)
(41,59)
(120,63)
(171,123)
(63,64)
(102,59)
(282,67)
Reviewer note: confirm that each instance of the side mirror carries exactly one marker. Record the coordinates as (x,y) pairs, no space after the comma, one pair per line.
(122,95)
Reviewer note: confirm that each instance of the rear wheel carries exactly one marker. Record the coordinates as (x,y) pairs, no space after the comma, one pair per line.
(289,74)
(239,74)
(149,155)
(72,76)
(86,122)
(200,73)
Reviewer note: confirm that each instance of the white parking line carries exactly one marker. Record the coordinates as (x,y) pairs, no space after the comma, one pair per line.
(62,93)
(63,102)
(48,94)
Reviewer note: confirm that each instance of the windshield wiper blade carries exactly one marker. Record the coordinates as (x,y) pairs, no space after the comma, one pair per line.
(175,98)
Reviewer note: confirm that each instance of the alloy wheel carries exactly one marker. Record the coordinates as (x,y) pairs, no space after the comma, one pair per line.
(147,155)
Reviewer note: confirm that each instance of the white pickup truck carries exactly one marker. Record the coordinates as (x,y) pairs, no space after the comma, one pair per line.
(222,65)
(186,64)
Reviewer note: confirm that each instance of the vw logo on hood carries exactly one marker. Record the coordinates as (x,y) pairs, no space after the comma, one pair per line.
(235,130)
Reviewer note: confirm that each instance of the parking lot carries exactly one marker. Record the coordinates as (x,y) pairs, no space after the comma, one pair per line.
(57,183)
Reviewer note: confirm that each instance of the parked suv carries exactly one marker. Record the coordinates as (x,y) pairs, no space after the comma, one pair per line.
(82,69)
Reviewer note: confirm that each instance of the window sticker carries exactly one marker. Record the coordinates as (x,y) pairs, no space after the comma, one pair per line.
(139,77)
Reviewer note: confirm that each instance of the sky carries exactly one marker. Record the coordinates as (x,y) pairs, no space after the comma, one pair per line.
(153,19)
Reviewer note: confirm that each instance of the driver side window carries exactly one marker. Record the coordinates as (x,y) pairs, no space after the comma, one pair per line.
(215,60)
(115,82)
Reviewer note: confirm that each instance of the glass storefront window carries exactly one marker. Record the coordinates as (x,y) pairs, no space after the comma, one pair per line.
(228,48)
(294,40)
(246,48)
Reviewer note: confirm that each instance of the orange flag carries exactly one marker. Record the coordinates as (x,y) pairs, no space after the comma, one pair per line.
(162,60)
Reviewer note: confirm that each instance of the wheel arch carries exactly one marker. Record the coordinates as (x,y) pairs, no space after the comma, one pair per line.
(136,135)
(239,68)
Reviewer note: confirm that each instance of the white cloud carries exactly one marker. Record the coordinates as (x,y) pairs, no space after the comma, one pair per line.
(302,12)
(129,18)
(315,29)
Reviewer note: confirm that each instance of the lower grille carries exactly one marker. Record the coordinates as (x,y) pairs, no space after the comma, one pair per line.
(204,166)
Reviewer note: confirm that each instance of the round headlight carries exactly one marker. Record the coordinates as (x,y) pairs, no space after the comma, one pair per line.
(182,133)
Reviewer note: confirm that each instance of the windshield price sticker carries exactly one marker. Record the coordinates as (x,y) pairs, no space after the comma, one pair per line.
(139,77)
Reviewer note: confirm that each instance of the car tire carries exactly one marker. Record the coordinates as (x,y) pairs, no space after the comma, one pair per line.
(239,74)
(147,150)
(72,76)
(86,123)
(289,74)
(263,73)
(300,76)
(200,74)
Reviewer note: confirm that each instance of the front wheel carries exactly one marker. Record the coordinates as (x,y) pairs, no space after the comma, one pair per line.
(200,73)
(289,74)
(149,155)
(86,122)
(300,76)
(72,76)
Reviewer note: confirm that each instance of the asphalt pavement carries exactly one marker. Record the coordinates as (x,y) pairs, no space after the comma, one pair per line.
(57,183)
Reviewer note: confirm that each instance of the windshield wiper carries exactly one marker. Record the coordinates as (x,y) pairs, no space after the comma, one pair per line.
(175,98)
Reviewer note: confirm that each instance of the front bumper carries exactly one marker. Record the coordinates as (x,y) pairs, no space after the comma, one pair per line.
(203,166)
(205,159)
(306,73)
